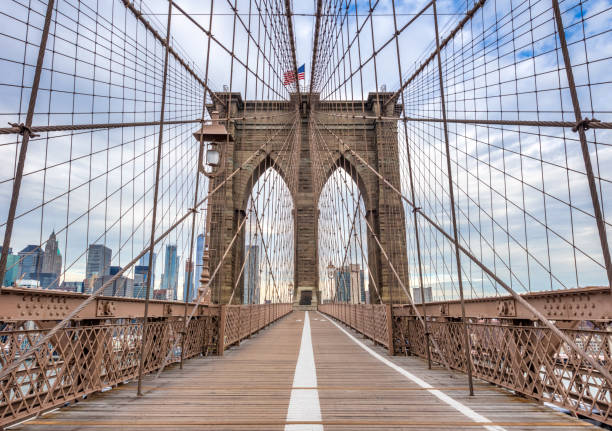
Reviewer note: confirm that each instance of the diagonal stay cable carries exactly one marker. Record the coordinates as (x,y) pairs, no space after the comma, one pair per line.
(9,368)
(595,364)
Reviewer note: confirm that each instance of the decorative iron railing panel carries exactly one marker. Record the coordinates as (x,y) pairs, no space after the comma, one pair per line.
(97,354)
(530,360)
(372,320)
(88,358)
(241,321)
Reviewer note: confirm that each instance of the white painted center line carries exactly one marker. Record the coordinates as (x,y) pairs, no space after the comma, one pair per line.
(461,408)
(304,402)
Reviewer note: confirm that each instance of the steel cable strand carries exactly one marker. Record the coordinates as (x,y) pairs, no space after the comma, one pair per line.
(9,368)
(381,248)
(595,364)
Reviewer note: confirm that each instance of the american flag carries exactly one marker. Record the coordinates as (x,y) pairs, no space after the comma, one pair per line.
(289,77)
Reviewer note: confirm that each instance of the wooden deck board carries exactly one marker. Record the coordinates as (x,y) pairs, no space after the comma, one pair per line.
(250,386)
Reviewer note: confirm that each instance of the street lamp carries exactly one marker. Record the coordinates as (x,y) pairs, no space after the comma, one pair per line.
(215,134)
(331,269)
(331,272)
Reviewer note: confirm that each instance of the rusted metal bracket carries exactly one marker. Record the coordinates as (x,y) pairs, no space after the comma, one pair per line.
(105,308)
(506,308)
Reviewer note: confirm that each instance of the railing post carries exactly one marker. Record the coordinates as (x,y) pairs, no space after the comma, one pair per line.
(26,133)
(221,331)
(580,128)
(389,313)
(466,341)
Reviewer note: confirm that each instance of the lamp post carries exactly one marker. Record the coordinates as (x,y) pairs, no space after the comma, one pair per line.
(211,137)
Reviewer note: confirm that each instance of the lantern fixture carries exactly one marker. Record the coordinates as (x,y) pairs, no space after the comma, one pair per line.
(213,157)
(331,269)
(213,131)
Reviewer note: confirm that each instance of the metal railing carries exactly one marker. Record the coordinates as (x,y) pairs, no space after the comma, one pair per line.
(372,320)
(241,321)
(517,355)
(98,354)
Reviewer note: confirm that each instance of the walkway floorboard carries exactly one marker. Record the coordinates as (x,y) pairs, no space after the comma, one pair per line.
(251,385)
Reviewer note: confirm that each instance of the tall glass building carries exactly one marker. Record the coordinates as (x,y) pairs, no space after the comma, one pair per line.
(251,276)
(199,260)
(171,268)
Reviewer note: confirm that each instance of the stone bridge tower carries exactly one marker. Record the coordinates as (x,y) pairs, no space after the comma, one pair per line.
(375,140)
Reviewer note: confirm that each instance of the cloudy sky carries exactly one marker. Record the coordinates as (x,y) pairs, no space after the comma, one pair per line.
(523,206)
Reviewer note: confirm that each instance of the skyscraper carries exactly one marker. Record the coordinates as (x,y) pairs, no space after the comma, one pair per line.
(357,284)
(350,284)
(188,282)
(98,260)
(31,261)
(12,268)
(416,294)
(51,264)
(170,275)
(140,281)
(342,279)
(199,260)
(72,286)
(52,258)
(251,276)
(144,261)
(121,286)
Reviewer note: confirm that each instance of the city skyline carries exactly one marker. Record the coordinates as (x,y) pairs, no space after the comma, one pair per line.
(42,267)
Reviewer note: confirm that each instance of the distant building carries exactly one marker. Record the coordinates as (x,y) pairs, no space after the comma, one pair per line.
(12,268)
(44,266)
(51,264)
(199,260)
(144,261)
(342,281)
(27,283)
(171,268)
(350,285)
(122,286)
(188,282)
(140,282)
(161,294)
(98,260)
(48,280)
(357,284)
(72,286)
(251,276)
(416,294)
(31,261)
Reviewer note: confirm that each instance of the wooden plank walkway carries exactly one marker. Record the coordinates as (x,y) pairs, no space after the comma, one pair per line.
(251,385)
